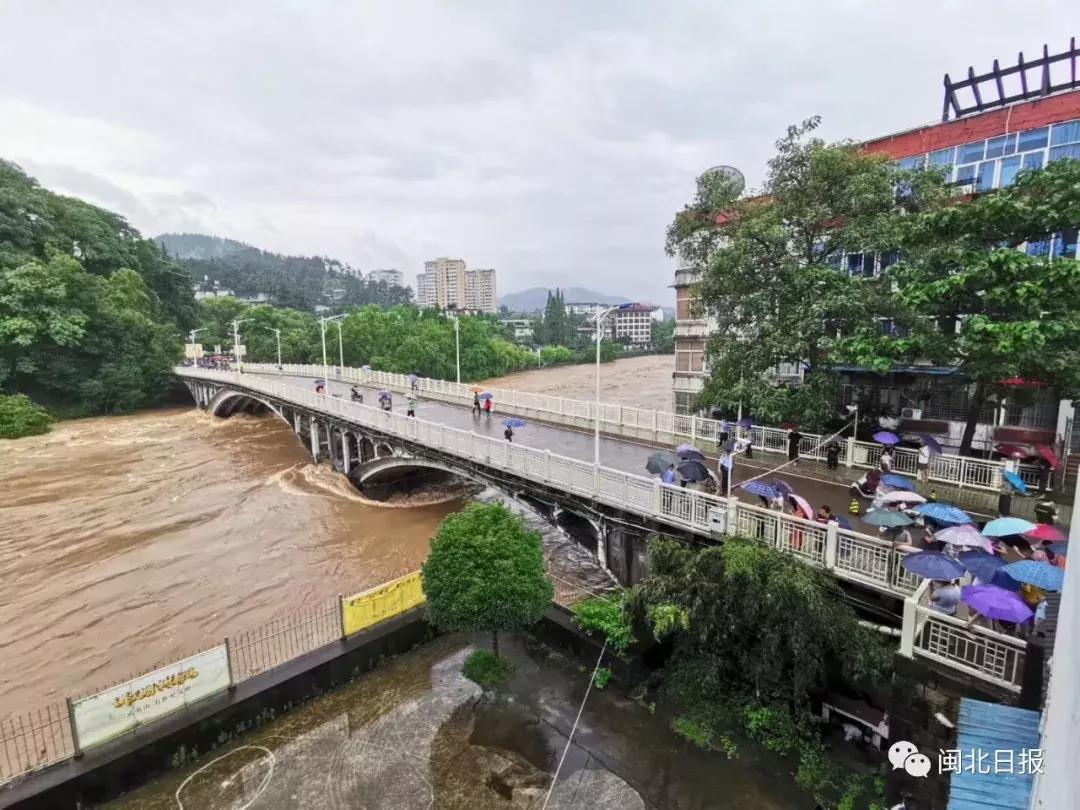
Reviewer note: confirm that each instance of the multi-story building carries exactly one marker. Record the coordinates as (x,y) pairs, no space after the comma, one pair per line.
(522,328)
(584,307)
(447,284)
(630,324)
(387,276)
(210,289)
(980,147)
(480,294)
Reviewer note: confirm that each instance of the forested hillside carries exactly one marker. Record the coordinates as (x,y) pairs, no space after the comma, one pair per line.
(292,281)
(91,313)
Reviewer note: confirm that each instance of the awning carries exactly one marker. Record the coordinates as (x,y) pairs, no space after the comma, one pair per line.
(1007,735)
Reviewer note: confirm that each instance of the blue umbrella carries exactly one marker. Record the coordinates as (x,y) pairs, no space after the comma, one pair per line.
(933,565)
(886,437)
(486,396)
(1040,574)
(514,422)
(943,512)
(1016,481)
(885,517)
(1003,580)
(1059,548)
(981,564)
(1007,525)
(931,442)
(897,481)
(760,488)
(689,451)
(844,522)
(783,487)
(693,471)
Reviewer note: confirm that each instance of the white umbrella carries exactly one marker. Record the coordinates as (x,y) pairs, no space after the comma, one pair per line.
(965,535)
(901,496)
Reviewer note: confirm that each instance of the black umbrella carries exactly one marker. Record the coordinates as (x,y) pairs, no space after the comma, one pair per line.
(693,471)
(658,462)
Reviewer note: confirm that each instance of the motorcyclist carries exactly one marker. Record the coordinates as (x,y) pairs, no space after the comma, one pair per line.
(356,394)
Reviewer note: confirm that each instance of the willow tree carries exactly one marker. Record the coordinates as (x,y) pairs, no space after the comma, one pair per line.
(968,297)
(774,278)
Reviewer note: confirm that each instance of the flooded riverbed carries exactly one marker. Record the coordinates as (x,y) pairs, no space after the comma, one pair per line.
(417,734)
(644,382)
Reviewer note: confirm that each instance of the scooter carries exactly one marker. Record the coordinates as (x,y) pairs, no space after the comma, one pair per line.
(356,396)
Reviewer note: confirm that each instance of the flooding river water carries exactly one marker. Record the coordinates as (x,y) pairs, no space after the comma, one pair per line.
(127,542)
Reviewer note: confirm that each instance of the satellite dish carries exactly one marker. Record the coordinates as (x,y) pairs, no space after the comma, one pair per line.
(731,173)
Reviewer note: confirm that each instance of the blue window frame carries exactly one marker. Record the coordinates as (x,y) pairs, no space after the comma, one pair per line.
(1010,167)
(1070,151)
(1065,244)
(965,174)
(971,152)
(942,157)
(1065,133)
(985,181)
(913,162)
(1039,247)
(1033,160)
(995,147)
(1033,139)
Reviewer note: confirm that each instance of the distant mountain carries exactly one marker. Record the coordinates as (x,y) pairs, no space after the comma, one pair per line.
(295,281)
(535,298)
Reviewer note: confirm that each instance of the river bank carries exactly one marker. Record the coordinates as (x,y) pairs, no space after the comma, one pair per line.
(416,733)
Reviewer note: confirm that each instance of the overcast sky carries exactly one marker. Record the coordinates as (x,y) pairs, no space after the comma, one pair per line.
(553,141)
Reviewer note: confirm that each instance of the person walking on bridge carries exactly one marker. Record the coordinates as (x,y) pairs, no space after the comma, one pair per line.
(487,406)
(476,403)
(793,439)
(410,405)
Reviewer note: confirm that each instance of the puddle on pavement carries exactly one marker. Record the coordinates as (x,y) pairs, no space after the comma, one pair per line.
(416,733)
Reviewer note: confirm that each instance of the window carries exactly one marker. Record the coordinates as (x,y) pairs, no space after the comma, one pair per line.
(970,152)
(1065,244)
(889,259)
(1033,160)
(1033,139)
(942,157)
(860,264)
(1039,247)
(1062,152)
(986,175)
(965,174)
(1000,146)
(913,162)
(1065,133)
(1010,166)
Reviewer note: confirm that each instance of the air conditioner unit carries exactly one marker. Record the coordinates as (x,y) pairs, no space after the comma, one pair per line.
(911,413)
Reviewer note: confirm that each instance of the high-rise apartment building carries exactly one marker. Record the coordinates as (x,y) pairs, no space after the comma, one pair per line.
(447,284)
(388,276)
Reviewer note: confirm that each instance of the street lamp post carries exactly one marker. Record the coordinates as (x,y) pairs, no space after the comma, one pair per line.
(457,344)
(600,315)
(277,334)
(191,336)
(340,349)
(236,343)
(322,324)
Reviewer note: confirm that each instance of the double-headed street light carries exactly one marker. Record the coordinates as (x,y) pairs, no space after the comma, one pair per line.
(601,315)
(236,343)
(322,323)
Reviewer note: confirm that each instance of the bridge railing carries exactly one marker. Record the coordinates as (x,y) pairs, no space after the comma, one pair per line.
(857,558)
(978,651)
(665,427)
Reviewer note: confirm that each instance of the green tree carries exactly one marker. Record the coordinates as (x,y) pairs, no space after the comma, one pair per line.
(664,336)
(555,328)
(485,572)
(761,623)
(770,266)
(20,417)
(966,297)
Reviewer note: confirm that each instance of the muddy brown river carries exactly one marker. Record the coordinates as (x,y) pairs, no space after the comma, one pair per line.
(127,542)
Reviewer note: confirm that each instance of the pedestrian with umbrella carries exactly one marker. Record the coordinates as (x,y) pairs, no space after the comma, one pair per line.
(793,439)
(670,476)
(487,404)
(509,425)
(995,603)
(693,471)
(725,466)
(944,513)
(688,451)
(832,455)
(748,423)
(660,461)
(761,489)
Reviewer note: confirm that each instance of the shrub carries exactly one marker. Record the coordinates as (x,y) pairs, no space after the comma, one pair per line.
(605,616)
(601,678)
(19,417)
(486,669)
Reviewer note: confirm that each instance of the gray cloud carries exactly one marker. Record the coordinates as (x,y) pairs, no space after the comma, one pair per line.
(554,142)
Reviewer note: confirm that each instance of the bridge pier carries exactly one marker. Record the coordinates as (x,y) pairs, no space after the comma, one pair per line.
(314,439)
(345,461)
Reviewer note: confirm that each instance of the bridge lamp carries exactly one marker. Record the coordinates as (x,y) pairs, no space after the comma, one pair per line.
(322,323)
(191,336)
(236,342)
(457,344)
(601,314)
(277,334)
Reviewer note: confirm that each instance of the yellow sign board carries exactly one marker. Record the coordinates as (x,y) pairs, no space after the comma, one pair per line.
(379,604)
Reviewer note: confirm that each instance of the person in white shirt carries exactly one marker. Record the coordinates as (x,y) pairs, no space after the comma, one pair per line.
(924,463)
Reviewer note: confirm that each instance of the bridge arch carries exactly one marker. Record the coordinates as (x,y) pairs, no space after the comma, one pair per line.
(227,402)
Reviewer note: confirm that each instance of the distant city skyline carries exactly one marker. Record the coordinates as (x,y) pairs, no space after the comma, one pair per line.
(554,143)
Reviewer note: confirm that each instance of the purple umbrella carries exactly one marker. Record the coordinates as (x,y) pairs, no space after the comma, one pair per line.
(886,437)
(981,564)
(931,442)
(746,422)
(689,451)
(693,471)
(995,603)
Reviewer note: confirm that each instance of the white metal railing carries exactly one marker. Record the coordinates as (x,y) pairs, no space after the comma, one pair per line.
(663,426)
(858,558)
(978,651)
